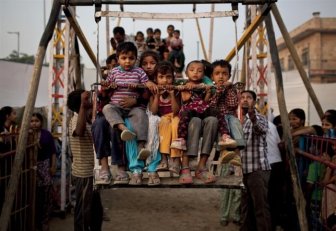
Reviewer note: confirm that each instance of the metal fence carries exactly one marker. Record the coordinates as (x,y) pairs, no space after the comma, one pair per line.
(316,164)
(22,216)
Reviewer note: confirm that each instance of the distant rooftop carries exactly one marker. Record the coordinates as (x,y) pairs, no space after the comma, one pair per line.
(316,24)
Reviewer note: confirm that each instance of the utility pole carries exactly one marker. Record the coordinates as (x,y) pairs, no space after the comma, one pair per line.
(18,41)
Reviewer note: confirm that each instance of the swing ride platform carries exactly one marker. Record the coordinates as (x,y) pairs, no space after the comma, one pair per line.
(169,180)
(228,182)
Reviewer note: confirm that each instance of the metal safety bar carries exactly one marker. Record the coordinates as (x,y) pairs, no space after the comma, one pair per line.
(157,2)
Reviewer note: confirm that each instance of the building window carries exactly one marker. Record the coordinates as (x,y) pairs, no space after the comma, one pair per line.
(305,56)
(290,64)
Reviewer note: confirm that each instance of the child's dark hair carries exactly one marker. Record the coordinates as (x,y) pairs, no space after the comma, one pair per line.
(331,119)
(110,58)
(254,95)
(177,31)
(147,53)
(165,67)
(207,68)
(4,112)
(149,30)
(119,30)
(298,112)
(170,25)
(38,116)
(194,61)
(157,30)
(139,33)
(318,130)
(222,63)
(330,111)
(74,100)
(126,47)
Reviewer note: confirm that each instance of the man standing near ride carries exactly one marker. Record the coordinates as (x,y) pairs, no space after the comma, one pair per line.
(255,165)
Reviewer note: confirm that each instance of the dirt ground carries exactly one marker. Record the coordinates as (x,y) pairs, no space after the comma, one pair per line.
(143,209)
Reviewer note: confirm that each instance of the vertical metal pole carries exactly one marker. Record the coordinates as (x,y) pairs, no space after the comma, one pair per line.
(211,34)
(44,23)
(65,115)
(108,49)
(197,45)
(18,45)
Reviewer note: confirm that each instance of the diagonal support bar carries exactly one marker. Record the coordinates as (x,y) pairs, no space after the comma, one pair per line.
(249,31)
(73,22)
(296,59)
(287,137)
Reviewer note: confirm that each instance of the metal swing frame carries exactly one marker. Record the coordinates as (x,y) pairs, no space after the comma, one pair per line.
(268,5)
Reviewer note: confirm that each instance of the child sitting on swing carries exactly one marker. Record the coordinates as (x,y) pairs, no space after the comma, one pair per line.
(226,101)
(115,112)
(166,104)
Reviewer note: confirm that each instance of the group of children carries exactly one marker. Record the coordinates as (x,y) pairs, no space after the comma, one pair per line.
(169,48)
(152,115)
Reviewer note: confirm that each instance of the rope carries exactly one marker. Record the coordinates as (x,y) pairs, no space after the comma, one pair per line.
(235,72)
(97,74)
(237,85)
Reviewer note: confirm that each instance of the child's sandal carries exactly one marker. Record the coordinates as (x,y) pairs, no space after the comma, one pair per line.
(153,179)
(205,176)
(136,179)
(185,176)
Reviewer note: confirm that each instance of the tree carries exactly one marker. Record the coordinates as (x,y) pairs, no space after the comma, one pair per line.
(24,58)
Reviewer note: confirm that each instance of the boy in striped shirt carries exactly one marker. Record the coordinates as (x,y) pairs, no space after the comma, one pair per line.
(124,81)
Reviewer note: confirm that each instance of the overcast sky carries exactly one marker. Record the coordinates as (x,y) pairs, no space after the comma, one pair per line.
(27,17)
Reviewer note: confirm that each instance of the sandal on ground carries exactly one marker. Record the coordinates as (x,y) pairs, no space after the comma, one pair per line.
(175,168)
(205,176)
(127,135)
(153,179)
(136,179)
(121,178)
(185,176)
(163,166)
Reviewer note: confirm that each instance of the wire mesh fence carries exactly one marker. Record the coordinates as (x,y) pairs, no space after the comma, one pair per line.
(22,215)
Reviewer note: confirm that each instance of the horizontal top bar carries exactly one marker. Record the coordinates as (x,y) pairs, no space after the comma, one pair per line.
(166,16)
(153,2)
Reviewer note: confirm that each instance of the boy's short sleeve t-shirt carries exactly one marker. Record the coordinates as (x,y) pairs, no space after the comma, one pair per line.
(122,78)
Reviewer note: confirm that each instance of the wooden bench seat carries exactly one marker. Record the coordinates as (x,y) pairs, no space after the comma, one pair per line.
(168,181)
